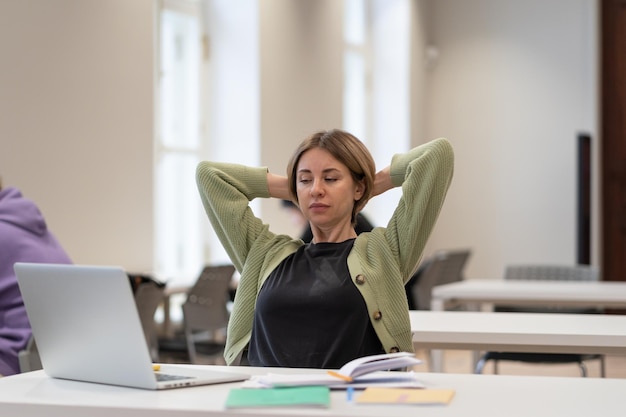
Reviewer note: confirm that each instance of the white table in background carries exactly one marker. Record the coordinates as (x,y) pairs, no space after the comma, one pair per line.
(484,294)
(477,294)
(35,394)
(517,332)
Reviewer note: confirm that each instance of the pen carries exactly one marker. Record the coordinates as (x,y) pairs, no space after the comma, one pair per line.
(349,394)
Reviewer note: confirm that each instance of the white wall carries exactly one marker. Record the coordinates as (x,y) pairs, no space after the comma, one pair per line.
(76,121)
(514,84)
(301,82)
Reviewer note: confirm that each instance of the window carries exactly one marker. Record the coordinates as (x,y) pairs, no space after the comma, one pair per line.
(207,84)
(357,69)
(377,83)
(178,143)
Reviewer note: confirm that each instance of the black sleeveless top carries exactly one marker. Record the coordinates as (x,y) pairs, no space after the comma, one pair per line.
(309,313)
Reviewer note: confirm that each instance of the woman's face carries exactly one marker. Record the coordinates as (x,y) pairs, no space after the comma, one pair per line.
(326,190)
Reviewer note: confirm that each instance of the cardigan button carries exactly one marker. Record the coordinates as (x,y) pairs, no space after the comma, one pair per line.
(394,349)
(360,279)
(378,315)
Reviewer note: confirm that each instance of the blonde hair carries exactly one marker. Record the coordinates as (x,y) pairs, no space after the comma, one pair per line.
(348,150)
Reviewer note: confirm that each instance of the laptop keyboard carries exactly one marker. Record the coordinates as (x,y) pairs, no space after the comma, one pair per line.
(168,377)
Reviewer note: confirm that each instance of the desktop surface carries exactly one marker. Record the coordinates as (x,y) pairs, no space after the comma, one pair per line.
(36,394)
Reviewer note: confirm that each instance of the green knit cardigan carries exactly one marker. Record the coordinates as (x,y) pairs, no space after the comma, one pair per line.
(380,263)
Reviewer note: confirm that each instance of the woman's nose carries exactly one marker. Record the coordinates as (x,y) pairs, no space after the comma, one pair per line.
(317,188)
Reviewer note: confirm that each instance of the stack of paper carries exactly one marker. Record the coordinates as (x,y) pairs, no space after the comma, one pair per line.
(359,373)
(312,389)
(379,379)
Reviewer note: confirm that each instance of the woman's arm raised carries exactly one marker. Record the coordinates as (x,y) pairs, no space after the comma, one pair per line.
(278,186)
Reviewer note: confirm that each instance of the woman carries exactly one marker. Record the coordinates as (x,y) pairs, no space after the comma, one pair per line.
(322,304)
(24,237)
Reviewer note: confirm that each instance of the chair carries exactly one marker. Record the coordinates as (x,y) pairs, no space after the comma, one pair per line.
(443,267)
(205,312)
(29,357)
(550,273)
(148,297)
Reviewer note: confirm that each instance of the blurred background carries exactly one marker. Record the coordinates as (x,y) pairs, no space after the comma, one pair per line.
(107,106)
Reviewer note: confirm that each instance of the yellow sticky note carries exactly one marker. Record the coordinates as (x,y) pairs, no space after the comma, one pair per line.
(405,396)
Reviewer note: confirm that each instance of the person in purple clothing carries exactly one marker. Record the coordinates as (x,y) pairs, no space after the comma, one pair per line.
(24,237)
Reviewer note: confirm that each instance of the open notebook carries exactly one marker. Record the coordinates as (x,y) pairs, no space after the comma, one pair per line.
(86,325)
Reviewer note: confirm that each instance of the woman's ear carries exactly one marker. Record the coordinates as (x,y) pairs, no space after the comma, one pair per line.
(359,190)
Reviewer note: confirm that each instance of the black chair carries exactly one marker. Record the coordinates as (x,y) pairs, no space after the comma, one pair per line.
(205,312)
(443,267)
(148,296)
(546,272)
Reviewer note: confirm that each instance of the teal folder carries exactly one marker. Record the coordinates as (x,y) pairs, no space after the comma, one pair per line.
(310,396)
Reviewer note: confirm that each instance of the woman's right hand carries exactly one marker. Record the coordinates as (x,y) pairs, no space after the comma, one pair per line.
(382,181)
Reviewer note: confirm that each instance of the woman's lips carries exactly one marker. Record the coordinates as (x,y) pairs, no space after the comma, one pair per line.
(318,207)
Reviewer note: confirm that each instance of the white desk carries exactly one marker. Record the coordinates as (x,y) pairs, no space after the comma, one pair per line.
(485,293)
(34,394)
(517,332)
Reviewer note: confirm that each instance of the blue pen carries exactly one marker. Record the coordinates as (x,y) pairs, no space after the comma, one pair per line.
(349,394)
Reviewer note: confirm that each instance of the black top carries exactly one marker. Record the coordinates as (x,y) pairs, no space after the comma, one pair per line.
(309,313)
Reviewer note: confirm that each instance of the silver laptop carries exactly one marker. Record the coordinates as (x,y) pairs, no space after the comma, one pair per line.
(87,328)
